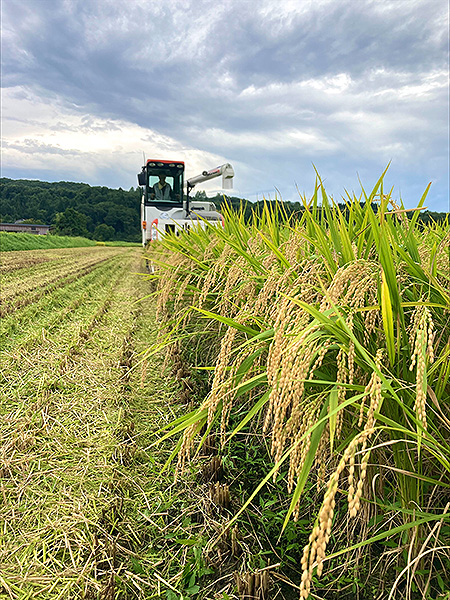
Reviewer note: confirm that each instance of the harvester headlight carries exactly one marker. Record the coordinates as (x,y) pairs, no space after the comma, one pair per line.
(151,164)
(171,165)
(160,164)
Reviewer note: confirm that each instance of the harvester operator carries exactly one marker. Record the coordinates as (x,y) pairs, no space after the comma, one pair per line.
(161,190)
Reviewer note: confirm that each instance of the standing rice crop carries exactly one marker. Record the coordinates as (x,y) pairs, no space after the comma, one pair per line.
(333,335)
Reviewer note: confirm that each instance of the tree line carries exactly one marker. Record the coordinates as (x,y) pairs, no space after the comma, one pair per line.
(95,212)
(107,214)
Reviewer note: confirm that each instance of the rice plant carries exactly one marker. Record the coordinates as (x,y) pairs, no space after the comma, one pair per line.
(333,343)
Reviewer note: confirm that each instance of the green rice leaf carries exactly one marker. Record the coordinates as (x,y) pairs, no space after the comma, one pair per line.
(195,417)
(227,321)
(251,413)
(388,321)
(333,401)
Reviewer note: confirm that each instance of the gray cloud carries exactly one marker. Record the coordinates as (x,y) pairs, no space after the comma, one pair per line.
(349,84)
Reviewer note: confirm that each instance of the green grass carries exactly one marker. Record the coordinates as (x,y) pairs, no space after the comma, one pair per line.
(27,241)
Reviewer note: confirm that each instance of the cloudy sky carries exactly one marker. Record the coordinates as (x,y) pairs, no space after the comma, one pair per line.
(271,86)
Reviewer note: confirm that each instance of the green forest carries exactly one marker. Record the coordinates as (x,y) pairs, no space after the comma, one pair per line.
(70,208)
(102,213)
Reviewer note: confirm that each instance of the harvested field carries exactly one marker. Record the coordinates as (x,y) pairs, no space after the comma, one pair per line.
(25,285)
(83,505)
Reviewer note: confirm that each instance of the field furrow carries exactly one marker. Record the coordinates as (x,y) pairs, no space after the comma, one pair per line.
(26,263)
(23,289)
(64,302)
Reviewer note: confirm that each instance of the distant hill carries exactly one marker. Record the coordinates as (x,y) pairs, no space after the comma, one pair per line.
(101,213)
(95,212)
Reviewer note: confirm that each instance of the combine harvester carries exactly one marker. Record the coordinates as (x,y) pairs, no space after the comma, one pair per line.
(165,208)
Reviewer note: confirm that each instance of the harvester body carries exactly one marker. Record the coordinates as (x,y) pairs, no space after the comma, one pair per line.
(166,208)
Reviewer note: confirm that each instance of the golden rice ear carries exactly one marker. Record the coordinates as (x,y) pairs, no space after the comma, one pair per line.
(421,340)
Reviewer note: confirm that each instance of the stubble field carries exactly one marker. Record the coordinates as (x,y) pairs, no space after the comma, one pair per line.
(78,483)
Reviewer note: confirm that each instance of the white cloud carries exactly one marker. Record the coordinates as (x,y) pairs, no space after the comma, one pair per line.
(58,138)
(313,141)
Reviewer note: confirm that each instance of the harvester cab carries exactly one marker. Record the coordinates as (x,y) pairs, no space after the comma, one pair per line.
(166,206)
